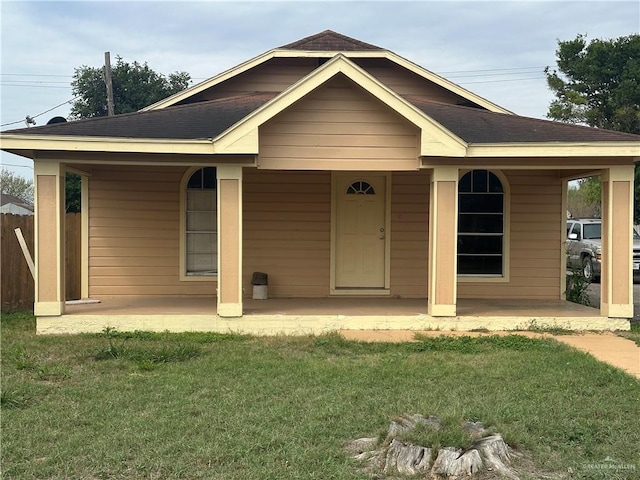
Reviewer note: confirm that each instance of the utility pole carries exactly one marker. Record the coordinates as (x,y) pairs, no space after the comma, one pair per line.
(107,80)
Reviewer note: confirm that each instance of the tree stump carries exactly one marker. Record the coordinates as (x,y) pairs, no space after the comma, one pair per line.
(393,456)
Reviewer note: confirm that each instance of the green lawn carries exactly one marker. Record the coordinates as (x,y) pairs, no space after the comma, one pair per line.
(167,406)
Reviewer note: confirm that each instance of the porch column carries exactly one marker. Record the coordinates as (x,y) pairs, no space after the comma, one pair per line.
(443,244)
(616,282)
(49,238)
(229,193)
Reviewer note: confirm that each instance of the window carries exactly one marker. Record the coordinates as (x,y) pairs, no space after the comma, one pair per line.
(201,235)
(360,188)
(481,224)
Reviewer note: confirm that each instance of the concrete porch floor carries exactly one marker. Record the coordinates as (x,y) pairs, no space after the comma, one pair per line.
(357,306)
(320,315)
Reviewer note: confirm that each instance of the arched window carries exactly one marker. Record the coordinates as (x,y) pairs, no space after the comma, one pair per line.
(360,188)
(481,224)
(201,232)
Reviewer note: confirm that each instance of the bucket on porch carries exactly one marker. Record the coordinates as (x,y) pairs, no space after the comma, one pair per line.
(260,286)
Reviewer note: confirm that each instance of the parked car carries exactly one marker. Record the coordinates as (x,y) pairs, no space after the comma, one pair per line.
(584,248)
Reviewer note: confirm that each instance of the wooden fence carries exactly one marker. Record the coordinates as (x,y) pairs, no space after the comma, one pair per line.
(17,289)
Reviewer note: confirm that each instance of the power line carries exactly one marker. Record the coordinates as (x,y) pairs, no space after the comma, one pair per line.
(493,70)
(38,115)
(505,80)
(15,165)
(34,75)
(30,86)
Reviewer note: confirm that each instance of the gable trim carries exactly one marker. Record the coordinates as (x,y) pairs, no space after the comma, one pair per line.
(285,53)
(210,82)
(243,136)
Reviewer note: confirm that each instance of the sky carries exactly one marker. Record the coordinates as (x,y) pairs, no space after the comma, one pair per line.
(497,49)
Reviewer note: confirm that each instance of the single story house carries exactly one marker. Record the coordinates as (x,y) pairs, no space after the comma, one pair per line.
(14,205)
(371,191)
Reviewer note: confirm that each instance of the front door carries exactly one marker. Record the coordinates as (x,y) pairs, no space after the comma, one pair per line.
(360,231)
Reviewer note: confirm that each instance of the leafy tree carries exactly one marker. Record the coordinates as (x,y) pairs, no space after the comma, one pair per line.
(598,84)
(12,184)
(73,192)
(135,86)
(584,198)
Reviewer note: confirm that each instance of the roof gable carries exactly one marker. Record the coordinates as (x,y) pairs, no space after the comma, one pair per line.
(243,136)
(330,41)
(6,199)
(326,45)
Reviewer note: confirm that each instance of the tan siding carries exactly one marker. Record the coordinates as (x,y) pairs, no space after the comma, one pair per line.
(287,224)
(134,234)
(536,240)
(409,233)
(404,82)
(278,74)
(274,75)
(134,225)
(338,122)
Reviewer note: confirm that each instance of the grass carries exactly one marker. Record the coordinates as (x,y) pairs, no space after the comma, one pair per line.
(197,405)
(633,334)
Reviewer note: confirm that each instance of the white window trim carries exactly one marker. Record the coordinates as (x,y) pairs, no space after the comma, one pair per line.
(183,231)
(506,235)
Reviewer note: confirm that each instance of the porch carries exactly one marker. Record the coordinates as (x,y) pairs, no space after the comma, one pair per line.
(302,316)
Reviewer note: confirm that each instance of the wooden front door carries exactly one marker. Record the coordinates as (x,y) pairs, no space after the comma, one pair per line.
(360,231)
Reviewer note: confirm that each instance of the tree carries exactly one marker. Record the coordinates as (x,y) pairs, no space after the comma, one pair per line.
(584,198)
(135,86)
(12,184)
(598,85)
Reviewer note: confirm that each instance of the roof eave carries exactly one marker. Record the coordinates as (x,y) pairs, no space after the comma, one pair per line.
(555,149)
(68,143)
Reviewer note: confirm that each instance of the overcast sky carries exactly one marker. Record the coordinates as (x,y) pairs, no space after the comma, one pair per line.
(495,49)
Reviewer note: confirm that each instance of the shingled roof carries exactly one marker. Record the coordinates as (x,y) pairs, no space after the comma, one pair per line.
(193,121)
(330,41)
(210,118)
(474,125)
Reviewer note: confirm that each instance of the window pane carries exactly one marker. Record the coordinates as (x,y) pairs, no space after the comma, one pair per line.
(360,188)
(195,181)
(202,251)
(576,229)
(464,185)
(592,231)
(480,244)
(480,203)
(495,185)
(202,243)
(478,223)
(201,221)
(479,265)
(480,182)
(209,180)
(201,200)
